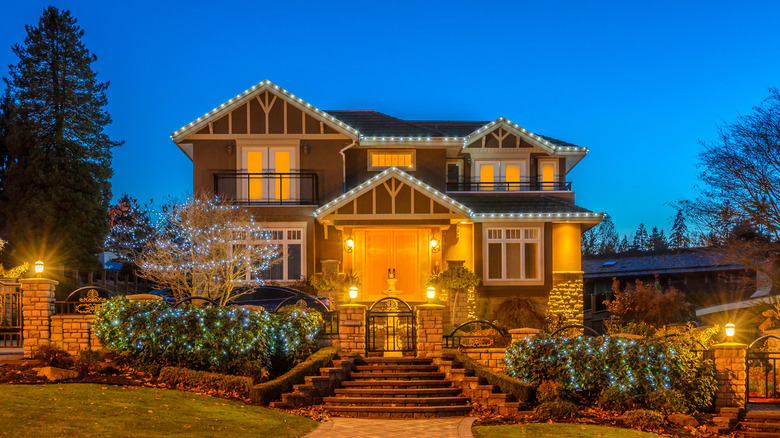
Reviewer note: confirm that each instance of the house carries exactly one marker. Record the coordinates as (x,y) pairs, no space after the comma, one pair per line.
(392,199)
(710,283)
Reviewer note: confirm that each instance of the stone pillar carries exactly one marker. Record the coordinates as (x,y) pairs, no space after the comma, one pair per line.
(520,334)
(352,328)
(37,309)
(731,373)
(430,333)
(566,297)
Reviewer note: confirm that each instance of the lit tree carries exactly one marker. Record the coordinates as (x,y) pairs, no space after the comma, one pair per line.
(738,207)
(55,183)
(679,237)
(641,240)
(205,249)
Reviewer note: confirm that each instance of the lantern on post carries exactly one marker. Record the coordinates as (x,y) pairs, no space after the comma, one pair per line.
(38,268)
(431,292)
(730,331)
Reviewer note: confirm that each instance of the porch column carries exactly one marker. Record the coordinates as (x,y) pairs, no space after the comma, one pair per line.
(566,295)
(430,333)
(37,309)
(731,374)
(352,328)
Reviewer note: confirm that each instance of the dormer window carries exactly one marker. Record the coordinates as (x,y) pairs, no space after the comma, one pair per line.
(384,159)
(501,175)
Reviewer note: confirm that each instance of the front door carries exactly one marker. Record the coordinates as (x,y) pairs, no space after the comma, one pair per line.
(390,253)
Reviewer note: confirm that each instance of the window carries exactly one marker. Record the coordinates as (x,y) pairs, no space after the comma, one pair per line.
(454,174)
(289,245)
(380,160)
(548,174)
(513,254)
(501,175)
(268,170)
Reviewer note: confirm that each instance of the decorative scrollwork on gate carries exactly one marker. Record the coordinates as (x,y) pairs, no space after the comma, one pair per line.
(391,327)
(477,334)
(84,300)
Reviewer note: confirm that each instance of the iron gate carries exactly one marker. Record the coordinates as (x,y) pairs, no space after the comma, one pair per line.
(10,316)
(761,361)
(390,323)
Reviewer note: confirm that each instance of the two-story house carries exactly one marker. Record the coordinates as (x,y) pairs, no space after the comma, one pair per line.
(389,197)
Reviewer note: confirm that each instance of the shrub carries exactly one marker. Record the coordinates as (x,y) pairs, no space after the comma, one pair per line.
(88,361)
(548,391)
(648,303)
(508,384)
(266,392)
(616,399)
(518,312)
(53,356)
(232,385)
(586,366)
(217,339)
(668,401)
(643,419)
(555,410)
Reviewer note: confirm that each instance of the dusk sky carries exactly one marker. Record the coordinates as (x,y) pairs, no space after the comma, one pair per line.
(639,84)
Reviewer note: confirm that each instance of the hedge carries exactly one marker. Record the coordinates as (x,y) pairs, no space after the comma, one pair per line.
(234,385)
(509,385)
(266,392)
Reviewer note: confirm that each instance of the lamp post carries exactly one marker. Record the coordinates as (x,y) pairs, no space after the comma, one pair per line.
(352,293)
(730,331)
(38,268)
(431,292)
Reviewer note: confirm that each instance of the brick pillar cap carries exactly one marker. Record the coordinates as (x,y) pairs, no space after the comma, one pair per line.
(38,281)
(430,306)
(525,331)
(352,306)
(730,346)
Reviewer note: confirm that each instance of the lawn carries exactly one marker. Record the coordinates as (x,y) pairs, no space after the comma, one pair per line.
(85,410)
(557,431)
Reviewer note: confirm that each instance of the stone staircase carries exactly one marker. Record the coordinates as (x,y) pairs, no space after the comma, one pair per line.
(397,387)
(316,388)
(759,424)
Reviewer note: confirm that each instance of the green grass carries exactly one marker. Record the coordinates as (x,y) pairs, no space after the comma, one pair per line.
(82,410)
(557,430)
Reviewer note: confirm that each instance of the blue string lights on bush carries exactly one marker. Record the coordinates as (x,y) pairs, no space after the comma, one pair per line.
(218,339)
(588,365)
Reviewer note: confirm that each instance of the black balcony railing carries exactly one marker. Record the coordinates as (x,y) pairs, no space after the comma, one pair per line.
(526,186)
(298,188)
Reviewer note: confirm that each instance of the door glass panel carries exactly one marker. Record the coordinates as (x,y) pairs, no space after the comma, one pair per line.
(487,176)
(254,164)
(512,176)
(282,165)
(548,175)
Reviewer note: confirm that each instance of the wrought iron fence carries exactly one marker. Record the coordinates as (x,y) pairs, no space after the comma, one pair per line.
(762,379)
(11,322)
(390,327)
(477,334)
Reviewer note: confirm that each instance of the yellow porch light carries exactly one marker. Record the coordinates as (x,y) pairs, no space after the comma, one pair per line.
(353,292)
(38,268)
(434,242)
(431,291)
(730,330)
(349,244)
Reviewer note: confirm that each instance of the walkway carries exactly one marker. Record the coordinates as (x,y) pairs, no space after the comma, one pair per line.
(453,427)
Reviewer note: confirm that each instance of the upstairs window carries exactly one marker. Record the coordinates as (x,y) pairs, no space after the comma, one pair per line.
(268,173)
(381,160)
(501,175)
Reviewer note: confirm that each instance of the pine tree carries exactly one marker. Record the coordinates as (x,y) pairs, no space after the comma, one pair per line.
(56,187)
(623,247)
(641,241)
(658,240)
(588,242)
(607,236)
(679,237)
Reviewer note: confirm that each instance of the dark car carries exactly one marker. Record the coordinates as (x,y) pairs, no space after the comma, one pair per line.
(273,297)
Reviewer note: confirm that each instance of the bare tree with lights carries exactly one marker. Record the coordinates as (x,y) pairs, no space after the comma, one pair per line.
(205,248)
(738,208)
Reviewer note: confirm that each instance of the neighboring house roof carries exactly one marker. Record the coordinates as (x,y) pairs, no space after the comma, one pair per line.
(691,260)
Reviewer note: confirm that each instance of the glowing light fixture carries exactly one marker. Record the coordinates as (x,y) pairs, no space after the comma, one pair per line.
(730,330)
(431,291)
(435,244)
(38,268)
(349,244)
(352,292)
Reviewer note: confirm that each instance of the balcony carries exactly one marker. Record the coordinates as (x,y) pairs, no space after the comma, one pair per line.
(297,188)
(527,186)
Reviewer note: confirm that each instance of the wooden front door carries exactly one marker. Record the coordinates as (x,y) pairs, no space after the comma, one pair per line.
(388,251)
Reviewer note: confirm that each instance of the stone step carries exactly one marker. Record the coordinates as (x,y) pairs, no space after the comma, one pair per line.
(394,401)
(411,360)
(399,411)
(760,425)
(753,434)
(398,392)
(438,383)
(763,415)
(398,375)
(396,368)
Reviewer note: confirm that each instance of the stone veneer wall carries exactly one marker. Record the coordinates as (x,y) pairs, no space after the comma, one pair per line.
(731,373)
(352,328)
(429,329)
(492,358)
(74,333)
(37,308)
(566,297)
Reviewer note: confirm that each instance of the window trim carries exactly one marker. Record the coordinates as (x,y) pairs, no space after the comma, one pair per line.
(540,254)
(371,152)
(285,227)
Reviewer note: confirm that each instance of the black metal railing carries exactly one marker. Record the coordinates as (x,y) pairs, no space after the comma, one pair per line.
(477,334)
(762,360)
(525,186)
(295,188)
(10,316)
(390,327)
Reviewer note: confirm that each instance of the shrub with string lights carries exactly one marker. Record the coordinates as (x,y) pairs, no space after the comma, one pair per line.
(220,339)
(588,365)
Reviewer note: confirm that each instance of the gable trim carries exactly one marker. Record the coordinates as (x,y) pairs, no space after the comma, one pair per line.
(518,130)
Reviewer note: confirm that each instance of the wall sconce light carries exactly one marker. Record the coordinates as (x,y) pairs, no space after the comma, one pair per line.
(435,244)
(730,330)
(229,148)
(431,292)
(349,244)
(38,268)
(352,292)
(306,149)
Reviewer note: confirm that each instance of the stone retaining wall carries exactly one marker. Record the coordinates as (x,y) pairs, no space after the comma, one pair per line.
(74,333)
(492,358)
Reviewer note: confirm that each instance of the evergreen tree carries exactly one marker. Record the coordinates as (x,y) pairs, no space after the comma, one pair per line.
(679,237)
(607,237)
(641,240)
(588,242)
(658,240)
(623,246)
(56,187)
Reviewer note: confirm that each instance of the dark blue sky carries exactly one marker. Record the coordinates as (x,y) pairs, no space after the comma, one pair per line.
(637,83)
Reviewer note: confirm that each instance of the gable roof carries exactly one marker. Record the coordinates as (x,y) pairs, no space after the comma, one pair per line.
(246,95)
(386,175)
(547,144)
